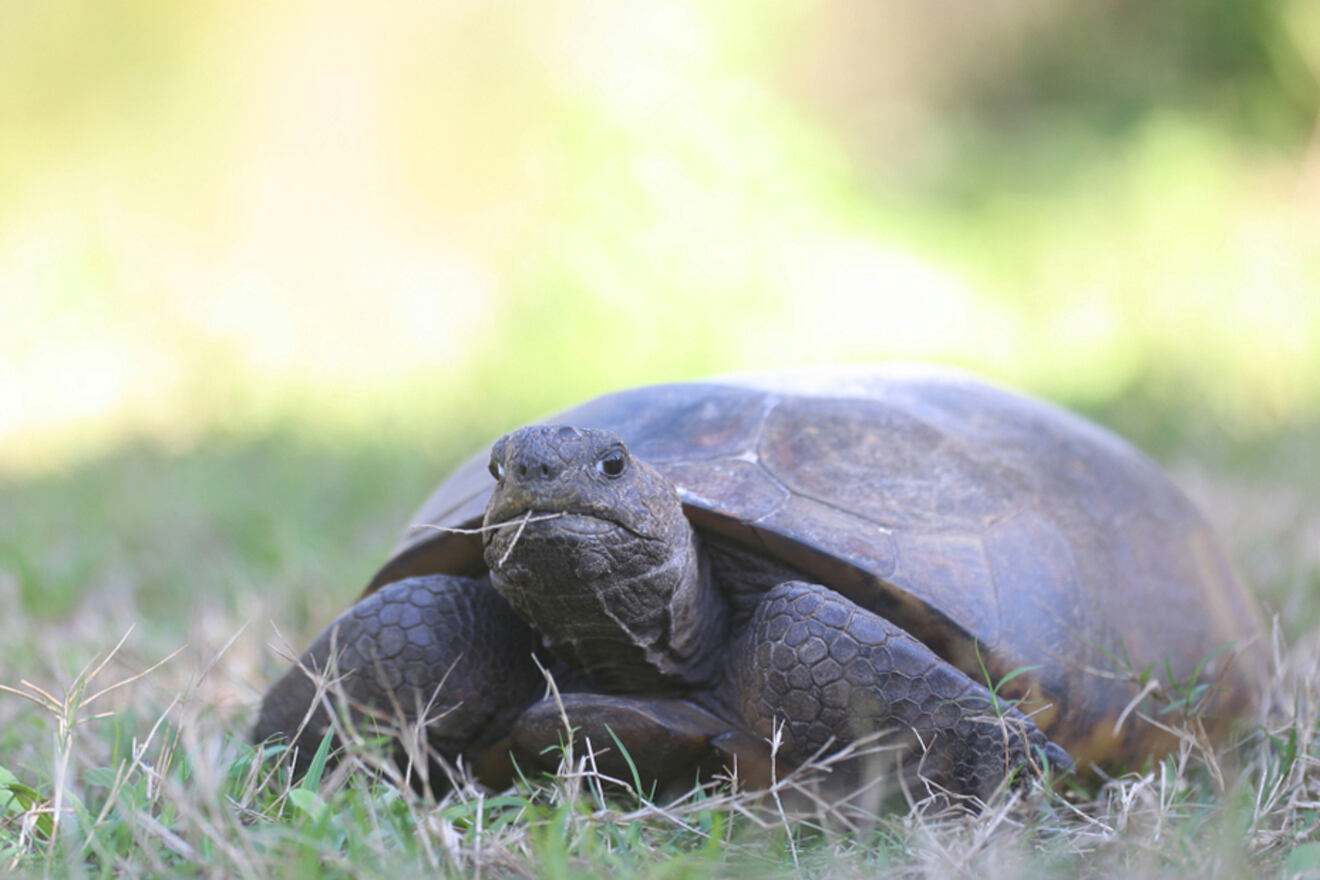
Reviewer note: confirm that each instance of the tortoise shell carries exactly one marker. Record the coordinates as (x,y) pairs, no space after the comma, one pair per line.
(1009,535)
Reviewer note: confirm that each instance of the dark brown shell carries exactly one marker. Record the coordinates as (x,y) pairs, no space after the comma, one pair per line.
(999,529)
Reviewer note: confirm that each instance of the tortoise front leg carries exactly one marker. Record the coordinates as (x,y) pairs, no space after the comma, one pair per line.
(833,673)
(448,649)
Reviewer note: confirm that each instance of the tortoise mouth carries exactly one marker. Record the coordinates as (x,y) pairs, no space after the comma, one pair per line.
(549,539)
(582,517)
(539,521)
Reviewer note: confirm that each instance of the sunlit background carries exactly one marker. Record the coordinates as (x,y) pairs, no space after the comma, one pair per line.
(364,216)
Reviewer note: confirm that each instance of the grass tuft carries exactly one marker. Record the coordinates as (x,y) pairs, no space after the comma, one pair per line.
(182,801)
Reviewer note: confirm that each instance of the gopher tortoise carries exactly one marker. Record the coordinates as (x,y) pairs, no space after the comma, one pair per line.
(984,582)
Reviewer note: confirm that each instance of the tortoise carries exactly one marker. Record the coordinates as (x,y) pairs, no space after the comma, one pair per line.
(814,556)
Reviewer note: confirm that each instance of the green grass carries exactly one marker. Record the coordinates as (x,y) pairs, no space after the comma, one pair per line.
(192,558)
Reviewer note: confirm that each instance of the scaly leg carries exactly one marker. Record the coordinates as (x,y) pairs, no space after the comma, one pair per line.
(446,648)
(833,673)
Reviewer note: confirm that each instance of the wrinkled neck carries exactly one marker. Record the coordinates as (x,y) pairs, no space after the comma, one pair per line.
(635,614)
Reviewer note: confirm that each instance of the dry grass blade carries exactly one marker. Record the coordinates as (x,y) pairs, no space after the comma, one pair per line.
(1150,687)
(521,523)
(776,746)
(527,517)
(36,695)
(132,678)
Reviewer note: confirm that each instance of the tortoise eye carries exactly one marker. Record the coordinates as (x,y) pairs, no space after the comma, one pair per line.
(612,463)
(496,469)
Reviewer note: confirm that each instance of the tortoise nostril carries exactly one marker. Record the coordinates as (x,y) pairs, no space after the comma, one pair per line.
(522,470)
(545,470)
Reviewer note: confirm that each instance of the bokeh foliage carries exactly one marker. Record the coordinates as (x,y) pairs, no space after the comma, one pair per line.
(346,215)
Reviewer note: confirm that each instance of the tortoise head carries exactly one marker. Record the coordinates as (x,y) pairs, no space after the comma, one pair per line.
(591,547)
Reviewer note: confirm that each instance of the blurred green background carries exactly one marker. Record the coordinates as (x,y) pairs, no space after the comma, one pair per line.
(266,269)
